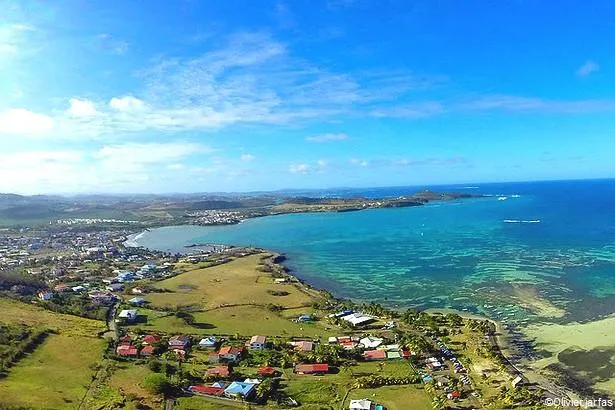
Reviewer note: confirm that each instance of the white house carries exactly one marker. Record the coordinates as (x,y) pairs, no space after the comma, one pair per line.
(128,315)
(258,342)
(362,404)
(371,342)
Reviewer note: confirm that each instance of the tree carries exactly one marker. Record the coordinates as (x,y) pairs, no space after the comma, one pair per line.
(157,383)
(438,402)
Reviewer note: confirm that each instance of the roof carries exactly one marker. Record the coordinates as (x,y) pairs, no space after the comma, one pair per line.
(127,351)
(214,391)
(312,368)
(128,313)
(375,355)
(266,371)
(258,340)
(234,350)
(371,342)
(393,355)
(239,388)
(361,404)
(149,339)
(304,346)
(137,300)
(148,350)
(357,318)
(219,371)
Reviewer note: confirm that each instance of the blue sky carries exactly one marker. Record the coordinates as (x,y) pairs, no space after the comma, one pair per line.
(241,95)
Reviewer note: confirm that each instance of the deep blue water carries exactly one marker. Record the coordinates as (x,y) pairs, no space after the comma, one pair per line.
(466,254)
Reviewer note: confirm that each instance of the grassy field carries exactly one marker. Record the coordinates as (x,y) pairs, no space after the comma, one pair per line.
(55,375)
(395,397)
(199,403)
(238,281)
(17,312)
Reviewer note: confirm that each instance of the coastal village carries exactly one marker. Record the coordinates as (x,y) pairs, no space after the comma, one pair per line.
(231,328)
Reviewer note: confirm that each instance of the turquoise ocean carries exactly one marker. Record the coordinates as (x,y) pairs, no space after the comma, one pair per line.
(549,243)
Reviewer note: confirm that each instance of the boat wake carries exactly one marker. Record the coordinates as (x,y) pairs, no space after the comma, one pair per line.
(520,221)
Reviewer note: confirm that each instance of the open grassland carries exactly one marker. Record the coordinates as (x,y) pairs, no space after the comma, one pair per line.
(200,403)
(395,397)
(238,281)
(14,312)
(55,375)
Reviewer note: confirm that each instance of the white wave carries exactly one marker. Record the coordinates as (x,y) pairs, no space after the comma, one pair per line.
(502,198)
(517,221)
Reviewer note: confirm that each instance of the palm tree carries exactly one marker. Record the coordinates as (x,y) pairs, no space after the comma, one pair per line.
(438,402)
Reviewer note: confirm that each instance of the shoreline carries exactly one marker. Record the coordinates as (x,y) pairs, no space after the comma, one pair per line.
(503,338)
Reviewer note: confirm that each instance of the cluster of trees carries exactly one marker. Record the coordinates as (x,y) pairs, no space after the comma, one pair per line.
(377,380)
(518,397)
(79,305)
(12,278)
(15,341)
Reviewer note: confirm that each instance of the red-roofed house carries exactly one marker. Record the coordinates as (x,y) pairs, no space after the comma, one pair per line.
(219,371)
(209,390)
(375,355)
(148,351)
(231,353)
(266,371)
(151,339)
(318,368)
(127,351)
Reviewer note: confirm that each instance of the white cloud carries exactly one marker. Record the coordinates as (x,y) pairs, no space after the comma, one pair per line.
(299,169)
(588,68)
(18,121)
(359,162)
(176,166)
(126,104)
(248,157)
(111,44)
(327,137)
(12,36)
(81,108)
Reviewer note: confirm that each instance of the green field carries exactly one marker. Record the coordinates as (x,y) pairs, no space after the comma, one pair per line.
(55,375)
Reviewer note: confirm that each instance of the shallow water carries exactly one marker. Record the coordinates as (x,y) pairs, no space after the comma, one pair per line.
(487,255)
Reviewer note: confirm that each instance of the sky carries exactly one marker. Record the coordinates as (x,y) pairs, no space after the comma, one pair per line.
(163,96)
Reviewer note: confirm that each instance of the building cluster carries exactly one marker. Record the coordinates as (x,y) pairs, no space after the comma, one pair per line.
(90,221)
(215,217)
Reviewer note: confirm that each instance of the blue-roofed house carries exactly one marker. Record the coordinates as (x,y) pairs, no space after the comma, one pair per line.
(125,276)
(239,390)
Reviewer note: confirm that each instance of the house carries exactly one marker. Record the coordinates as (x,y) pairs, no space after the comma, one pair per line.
(393,354)
(219,371)
(371,342)
(179,342)
(208,390)
(304,318)
(128,315)
(454,395)
(375,355)
(138,291)
(151,339)
(358,319)
(137,301)
(229,353)
(258,342)
(303,346)
(208,343)
(318,368)
(266,372)
(239,390)
(45,295)
(252,381)
(115,287)
(361,404)
(148,351)
(125,277)
(433,363)
(127,350)
(101,297)
(79,289)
